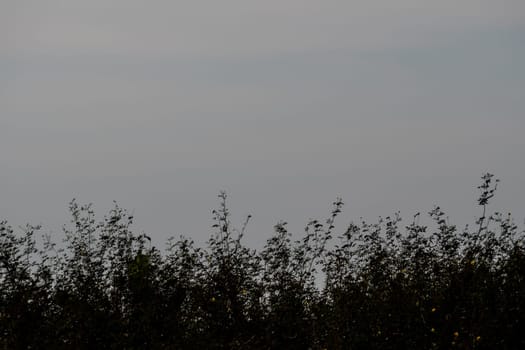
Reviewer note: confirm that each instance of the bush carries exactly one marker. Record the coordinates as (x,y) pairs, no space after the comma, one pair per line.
(385,286)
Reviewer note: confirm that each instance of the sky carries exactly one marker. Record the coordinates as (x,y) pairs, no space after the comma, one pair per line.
(285,105)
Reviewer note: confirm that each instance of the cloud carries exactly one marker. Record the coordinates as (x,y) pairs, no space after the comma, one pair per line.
(284,100)
(234,27)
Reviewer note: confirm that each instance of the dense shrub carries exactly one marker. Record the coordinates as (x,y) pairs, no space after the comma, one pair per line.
(385,286)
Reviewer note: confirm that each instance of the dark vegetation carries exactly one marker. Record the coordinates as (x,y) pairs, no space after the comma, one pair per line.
(386,286)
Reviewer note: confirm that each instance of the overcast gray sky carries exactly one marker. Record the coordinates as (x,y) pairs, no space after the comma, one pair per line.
(285,104)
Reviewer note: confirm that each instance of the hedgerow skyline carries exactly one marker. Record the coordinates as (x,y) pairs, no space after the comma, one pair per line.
(385,285)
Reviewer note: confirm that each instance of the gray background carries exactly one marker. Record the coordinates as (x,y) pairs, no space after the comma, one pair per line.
(285,104)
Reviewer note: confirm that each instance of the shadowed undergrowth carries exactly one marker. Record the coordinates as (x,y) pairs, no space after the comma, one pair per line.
(387,285)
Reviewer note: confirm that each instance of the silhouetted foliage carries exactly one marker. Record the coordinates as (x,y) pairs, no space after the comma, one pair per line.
(385,286)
